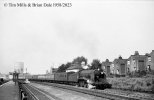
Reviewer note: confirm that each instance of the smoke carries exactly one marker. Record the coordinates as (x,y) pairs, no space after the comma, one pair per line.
(74,33)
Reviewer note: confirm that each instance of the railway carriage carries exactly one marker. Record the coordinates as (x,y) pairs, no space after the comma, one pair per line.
(73,77)
(41,77)
(60,77)
(21,76)
(49,77)
(29,76)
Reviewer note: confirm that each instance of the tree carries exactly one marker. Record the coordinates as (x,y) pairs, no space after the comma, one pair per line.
(95,64)
(63,67)
(79,60)
(67,65)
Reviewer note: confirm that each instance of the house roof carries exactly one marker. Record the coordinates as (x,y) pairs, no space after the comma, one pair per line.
(75,66)
(119,60)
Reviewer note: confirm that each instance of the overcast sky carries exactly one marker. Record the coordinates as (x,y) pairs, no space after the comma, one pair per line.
(47,36)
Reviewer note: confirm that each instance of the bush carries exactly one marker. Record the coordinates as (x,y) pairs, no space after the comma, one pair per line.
(134,84)
(151,72)
(142,73)
(137,74)
(152,88)
(148,84)
(117,75)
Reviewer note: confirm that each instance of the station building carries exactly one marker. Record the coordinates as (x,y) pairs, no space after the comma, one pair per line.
(106,67)
(136,62)
(119,66)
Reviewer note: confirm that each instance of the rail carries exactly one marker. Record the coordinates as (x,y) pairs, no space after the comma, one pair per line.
(25,93)
(95,92)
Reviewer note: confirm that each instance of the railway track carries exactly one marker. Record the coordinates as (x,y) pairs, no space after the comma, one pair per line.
(33,93)
(108,94)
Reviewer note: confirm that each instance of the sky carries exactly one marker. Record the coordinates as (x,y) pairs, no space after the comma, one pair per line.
(44,37)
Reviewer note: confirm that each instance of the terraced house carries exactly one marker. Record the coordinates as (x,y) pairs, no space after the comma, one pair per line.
(106,67)
(150,61)
(136,62)
(119,66)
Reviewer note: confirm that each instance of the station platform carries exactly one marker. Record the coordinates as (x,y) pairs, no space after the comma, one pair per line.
(9,91)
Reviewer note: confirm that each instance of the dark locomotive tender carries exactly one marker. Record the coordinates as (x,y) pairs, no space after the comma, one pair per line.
(83,78)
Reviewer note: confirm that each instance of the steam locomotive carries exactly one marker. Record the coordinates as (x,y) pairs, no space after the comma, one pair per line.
(83,78)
